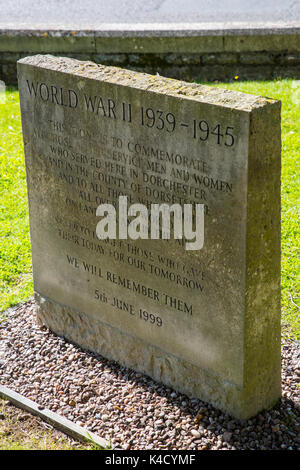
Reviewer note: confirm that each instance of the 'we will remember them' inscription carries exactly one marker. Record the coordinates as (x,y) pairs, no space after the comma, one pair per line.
(155,225)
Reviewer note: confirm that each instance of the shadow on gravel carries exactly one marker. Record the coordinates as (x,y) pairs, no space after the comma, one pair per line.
(130,408)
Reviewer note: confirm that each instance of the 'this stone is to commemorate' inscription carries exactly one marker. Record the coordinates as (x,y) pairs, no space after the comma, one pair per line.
(206,322)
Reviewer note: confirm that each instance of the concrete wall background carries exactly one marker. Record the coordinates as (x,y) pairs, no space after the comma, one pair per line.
(188,54)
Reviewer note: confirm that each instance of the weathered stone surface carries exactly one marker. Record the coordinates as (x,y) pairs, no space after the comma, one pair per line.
(257,58)
(290,59)
(263,42)
(220,59)
(206,322)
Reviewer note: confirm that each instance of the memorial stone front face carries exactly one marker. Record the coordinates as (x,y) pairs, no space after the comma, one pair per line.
(206,322)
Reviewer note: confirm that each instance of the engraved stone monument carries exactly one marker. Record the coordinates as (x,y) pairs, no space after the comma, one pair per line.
(205,322)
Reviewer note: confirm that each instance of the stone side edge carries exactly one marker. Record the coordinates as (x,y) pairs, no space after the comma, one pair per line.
(262,342)
(132,352)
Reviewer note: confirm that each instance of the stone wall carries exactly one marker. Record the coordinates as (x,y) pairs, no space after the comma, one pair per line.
(201,56)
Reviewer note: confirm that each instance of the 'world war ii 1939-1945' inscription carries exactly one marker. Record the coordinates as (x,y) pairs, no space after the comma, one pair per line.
(198,317)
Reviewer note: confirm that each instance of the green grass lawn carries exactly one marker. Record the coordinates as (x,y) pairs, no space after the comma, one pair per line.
(19,430)
(15,259)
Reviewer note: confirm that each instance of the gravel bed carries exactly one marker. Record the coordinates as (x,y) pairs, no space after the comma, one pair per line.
(129,409)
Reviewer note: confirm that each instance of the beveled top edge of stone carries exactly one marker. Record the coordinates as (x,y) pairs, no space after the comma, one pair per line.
(152,83)
(149,30)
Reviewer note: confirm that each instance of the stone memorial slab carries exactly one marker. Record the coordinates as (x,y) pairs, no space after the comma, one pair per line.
(205,322)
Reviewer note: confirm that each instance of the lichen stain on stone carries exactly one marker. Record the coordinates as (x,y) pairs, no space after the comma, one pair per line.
(143,81)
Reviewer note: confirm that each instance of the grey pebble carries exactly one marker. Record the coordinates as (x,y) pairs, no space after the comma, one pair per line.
(130,410)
